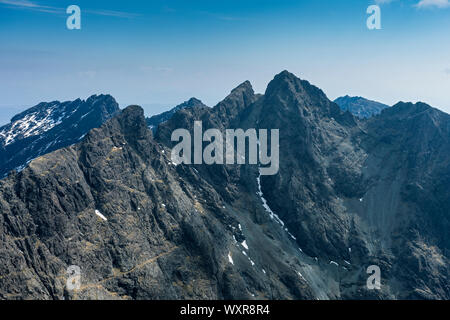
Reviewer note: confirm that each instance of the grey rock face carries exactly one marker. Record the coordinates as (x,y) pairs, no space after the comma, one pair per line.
(168,233)
(50,126)
(341,189)
(348,195)
(154,121)
(360,107)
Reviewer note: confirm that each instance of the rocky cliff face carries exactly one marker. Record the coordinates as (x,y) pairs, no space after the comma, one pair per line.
(154,121)
(349,194)
(50,126)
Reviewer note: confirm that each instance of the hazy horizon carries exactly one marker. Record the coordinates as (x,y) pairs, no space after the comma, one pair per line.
(154,108)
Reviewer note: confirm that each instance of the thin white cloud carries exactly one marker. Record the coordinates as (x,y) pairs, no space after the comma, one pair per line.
(87,74)
(28,5)
(20,3)
(34,6)
(383,1)
(109,13)
(156,69)
(433,4)
(221,17)
(422,4)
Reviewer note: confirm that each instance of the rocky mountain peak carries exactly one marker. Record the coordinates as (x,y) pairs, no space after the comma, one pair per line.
(290,97)
(240,97)
(154,121)
(286,85)
(194,101)
(285,81)
(132,119)
(105,104)
(99,97)
(282,81)
(244,87)
(402,109)
(421,123)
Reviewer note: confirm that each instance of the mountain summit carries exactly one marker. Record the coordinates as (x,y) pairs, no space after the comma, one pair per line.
(154,121)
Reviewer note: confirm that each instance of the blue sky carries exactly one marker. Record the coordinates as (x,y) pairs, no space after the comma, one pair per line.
(159,53)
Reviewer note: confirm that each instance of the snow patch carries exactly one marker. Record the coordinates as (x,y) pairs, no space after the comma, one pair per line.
(98,213)
(230,258)
(244,244)
(32,124)
(300,275)
(335,263)
(273,216)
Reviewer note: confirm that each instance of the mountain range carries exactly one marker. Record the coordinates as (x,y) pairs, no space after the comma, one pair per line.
(350,193)
(53,125)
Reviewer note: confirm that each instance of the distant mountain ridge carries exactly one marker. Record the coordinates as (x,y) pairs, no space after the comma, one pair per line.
(49,126)
(360,107)
(156,120)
